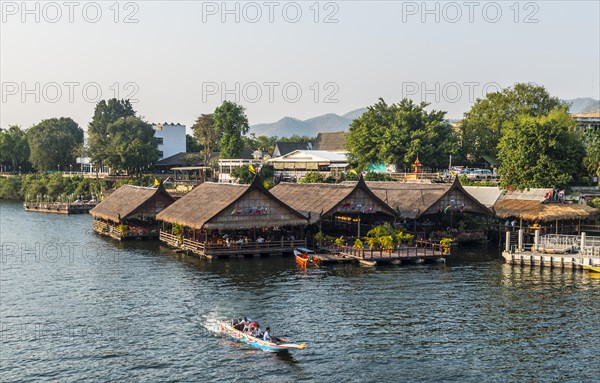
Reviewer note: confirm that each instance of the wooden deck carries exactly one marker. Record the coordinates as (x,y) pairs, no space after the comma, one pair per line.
(234,250)
(422,252)
(59,207)
(113,231)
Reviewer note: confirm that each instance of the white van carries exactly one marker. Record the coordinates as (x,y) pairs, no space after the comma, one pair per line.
(480,174)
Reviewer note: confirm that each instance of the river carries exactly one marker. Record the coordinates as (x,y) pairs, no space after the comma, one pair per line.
(75,307)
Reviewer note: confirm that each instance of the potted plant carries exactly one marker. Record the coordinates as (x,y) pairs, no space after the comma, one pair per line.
(319,238)
(446,243)
(123,229)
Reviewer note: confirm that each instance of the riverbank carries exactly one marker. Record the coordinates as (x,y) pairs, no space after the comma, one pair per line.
(56,186)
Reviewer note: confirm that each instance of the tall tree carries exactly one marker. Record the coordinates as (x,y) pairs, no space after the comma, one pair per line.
(540,151)
(106,113)
(132,143)
(53,142)
(192,145)
(399,133)
(231,120)
(207,134)
(481,128)
(592,152)
(13,146)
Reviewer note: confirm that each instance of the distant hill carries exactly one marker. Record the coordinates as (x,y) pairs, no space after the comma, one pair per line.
(289,126)
(331,122)
(583,105)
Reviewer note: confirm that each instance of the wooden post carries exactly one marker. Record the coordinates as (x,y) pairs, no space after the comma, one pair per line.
(507,244)
(537,239)
(556,226)
(582,250)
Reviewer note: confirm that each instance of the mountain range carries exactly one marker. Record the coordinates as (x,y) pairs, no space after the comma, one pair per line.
(332,122)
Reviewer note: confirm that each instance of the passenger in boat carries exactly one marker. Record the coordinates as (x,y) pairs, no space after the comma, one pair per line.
(257,333)
(251,327)
(241,325)
(267,334)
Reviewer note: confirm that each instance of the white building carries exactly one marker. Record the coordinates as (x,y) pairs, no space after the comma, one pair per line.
(297,163)
(171,139)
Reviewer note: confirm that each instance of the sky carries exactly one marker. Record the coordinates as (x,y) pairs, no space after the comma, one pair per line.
(177,60)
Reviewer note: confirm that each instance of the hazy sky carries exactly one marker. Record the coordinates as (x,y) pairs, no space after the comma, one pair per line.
(300,59)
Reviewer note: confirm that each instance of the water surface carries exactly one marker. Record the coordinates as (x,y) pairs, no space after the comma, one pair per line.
(99,310)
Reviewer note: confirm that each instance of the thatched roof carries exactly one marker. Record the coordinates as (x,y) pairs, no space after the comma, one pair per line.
(531,210)
(129,200)
(207,201)
(334,141)
(413,199)
(317,200)
(410,199)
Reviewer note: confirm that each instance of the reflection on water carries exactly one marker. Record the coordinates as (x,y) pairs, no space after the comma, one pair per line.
(137,311)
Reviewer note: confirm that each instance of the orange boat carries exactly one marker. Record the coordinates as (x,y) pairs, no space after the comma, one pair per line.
(305,257)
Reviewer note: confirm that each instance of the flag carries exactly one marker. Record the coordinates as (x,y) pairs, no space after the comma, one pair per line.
(251,168)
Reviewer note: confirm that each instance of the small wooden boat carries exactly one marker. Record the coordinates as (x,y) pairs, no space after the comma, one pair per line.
(228,329)
(364,262)
(305,257)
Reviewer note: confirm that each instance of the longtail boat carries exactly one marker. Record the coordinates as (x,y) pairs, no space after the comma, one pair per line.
(305,257)
(266,345)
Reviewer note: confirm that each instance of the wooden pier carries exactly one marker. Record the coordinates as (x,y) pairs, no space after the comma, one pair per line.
(422,252)
(59,207)
(553,250)
(212,250)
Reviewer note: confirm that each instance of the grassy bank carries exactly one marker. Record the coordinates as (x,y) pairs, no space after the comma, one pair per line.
(39,185)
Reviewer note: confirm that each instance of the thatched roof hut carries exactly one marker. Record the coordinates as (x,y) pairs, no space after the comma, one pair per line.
(414,199)
(231,206)
(130,200)
(532,210)
(332,141)
(320,200)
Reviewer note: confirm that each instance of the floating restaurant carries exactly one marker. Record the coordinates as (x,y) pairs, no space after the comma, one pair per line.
(130,212)
(340,207)
(223,220)
(434,211)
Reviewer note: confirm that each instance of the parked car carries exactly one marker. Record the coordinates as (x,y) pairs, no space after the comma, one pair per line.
(480,174)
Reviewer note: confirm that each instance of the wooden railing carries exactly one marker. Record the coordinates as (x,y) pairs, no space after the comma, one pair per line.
(106,228)
(231,249)
(422,249)
(169,239)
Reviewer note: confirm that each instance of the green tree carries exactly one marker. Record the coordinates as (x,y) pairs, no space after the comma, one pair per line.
(312,178)
(231,120)
(132,143)
(399,133)
(591,160)
(192,145)
(263,143)
(105,113)
(481,128)
(207,134)
(52,143)
(243,174)
(14,147)
(540,152)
